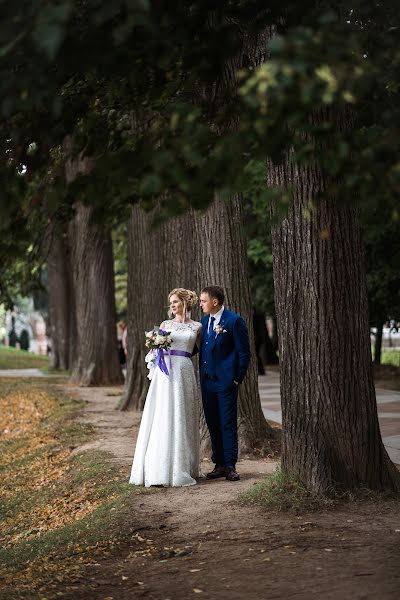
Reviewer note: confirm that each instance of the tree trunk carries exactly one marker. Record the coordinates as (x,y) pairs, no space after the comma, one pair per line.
(159,259)
(198,251)
(378,344)
(59,302)
(94,295)
(222,255)
(331,436)
(222,260)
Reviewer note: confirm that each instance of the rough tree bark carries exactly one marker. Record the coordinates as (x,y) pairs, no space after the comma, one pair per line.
(223,257)
(202,250)
(159,259)
(94,356)
(331,435)
(223,261)
(59,302)
(93,285)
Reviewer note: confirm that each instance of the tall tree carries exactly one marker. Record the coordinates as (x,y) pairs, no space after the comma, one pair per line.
(222,260)
(59,301)
(221,241)
(326,56)
(160,258)
(94,296)
(94,360)
(327,389)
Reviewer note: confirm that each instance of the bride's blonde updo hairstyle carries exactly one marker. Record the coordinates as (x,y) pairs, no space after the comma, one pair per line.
(188,299)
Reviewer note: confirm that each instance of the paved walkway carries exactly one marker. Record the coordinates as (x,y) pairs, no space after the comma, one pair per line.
(388,411)
(22,373)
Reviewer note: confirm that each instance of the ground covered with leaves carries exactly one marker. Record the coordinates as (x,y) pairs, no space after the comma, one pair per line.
(60,511)
(72,528)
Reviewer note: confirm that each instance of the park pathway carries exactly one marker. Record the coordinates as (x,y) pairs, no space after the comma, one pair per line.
(388,411)
(269,385)
(22,373)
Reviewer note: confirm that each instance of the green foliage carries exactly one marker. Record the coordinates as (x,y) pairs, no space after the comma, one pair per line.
(138,89)
(259,243)
(391,357)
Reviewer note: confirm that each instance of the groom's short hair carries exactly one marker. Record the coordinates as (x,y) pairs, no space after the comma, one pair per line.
(214,291)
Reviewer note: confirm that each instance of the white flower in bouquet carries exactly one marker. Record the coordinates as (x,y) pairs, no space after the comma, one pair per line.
(150,360)
(158,339)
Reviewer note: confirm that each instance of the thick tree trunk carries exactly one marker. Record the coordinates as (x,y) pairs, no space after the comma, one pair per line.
(331,436)
(94,356)
(59,302)
(159,259)
(193,252)
(94,295)
(222,256)
(378,345)
(222,260)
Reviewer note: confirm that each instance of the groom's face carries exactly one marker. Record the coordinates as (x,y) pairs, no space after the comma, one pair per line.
(208,305)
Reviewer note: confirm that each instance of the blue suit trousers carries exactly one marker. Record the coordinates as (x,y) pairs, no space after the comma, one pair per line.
(220,410)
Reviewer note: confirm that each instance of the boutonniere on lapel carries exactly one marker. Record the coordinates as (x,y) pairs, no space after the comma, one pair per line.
(219,329)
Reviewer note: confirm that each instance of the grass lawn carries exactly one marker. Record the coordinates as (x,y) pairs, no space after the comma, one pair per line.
(391,357)
(60,511)
(11,358)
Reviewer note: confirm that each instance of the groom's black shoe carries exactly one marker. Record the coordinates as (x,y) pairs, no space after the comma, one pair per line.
(231,474)
(216,472)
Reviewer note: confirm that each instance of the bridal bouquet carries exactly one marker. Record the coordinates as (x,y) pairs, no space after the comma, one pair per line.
(156,340)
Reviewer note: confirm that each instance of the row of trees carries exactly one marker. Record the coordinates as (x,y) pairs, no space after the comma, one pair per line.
(172,109)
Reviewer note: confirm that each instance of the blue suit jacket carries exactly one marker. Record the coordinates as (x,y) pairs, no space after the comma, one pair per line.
(229,351)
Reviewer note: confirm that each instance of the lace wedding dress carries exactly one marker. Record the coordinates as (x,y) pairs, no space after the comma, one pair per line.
(167,448)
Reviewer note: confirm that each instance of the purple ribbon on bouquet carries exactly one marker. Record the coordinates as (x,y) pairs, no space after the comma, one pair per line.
(160,359)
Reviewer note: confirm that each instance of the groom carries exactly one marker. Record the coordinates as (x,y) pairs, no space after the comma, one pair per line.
(224,358)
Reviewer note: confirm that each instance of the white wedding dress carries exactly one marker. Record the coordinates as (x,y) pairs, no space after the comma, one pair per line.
(168,444)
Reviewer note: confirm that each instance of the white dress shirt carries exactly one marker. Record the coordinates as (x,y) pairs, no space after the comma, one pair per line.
(217,318)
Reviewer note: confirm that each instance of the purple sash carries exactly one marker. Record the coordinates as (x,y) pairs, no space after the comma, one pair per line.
(160,360)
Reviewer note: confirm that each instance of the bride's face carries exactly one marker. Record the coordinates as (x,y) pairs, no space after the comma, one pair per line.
(175,305)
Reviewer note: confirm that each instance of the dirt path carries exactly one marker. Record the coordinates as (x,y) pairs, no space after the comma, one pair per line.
(197,541)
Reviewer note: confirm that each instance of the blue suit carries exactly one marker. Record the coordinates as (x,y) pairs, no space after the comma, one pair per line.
(224,359)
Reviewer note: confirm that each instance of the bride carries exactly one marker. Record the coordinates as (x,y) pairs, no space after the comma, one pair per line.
(167,448)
